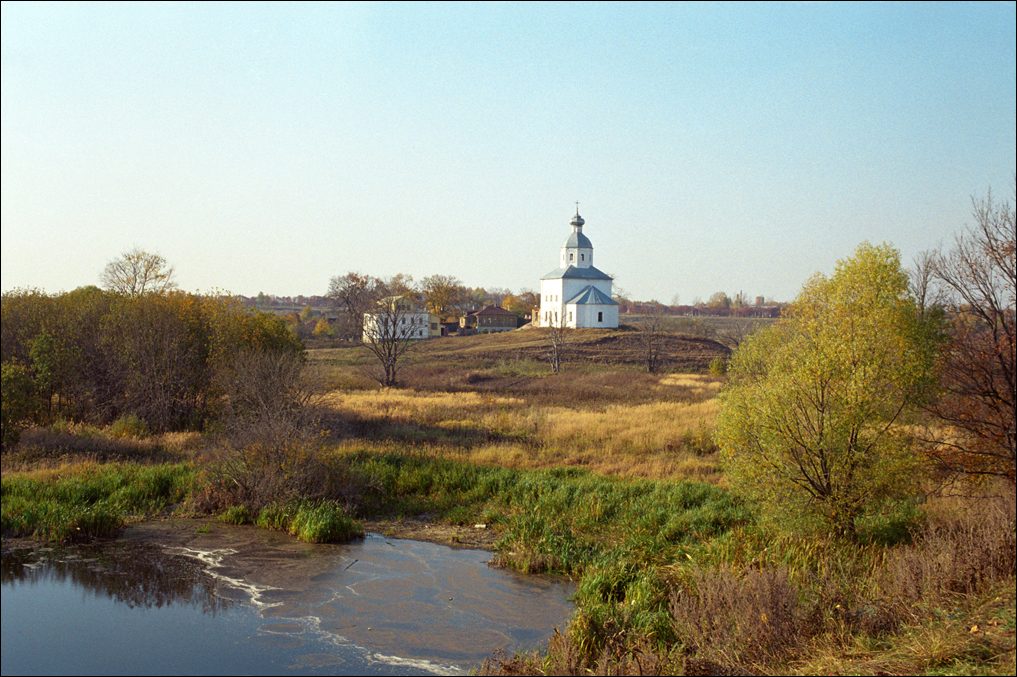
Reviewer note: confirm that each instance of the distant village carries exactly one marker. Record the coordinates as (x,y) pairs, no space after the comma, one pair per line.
(575,295)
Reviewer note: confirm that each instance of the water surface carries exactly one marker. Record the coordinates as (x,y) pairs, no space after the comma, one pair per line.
(189,597)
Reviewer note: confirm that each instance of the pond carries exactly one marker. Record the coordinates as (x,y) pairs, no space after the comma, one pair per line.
(186,597)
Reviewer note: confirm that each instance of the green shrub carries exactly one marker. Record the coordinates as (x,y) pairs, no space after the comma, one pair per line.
(718,366)
(274,516)
(236,514)
(129,425)
(324,522)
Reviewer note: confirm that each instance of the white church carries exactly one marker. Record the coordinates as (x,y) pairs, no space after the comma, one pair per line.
(575,294)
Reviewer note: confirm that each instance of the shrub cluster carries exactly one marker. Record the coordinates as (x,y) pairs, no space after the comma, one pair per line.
(92,355)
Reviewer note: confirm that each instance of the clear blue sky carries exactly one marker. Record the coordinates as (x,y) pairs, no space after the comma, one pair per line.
(268,147)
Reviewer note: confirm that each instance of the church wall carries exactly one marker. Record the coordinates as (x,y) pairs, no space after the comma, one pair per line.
(556,303)
(586,315)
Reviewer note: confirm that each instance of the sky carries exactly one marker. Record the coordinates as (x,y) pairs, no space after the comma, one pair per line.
(268,147)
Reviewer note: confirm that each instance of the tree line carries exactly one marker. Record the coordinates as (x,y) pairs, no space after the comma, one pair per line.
(354,294)
(99,354)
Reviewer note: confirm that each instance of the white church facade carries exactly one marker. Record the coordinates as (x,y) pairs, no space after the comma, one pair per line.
(575,294)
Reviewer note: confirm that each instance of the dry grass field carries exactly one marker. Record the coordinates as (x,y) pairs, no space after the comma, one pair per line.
(491,400)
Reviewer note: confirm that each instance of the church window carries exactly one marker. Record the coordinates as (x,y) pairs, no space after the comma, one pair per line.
(570,316)
(600,317)
(582,257)
(571,256)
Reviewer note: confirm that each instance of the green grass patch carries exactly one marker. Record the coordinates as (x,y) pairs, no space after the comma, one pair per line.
(311,521)
(236,514)
(324,522)
(88,501)
(557,520)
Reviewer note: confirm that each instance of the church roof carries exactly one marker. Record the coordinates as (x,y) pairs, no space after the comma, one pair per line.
(575,273)
(591,296)
(577,239)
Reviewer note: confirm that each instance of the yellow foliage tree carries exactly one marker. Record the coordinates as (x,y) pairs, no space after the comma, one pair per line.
(813,423)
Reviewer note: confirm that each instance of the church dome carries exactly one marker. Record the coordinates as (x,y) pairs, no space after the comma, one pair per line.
(577,221)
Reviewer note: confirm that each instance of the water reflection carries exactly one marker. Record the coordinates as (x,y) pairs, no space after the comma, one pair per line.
(177,596)
(136,574)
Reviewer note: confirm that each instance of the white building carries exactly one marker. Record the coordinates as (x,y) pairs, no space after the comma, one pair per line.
(576,294)
(398,318)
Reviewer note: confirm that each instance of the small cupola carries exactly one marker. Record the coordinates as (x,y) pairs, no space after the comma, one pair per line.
(577,250)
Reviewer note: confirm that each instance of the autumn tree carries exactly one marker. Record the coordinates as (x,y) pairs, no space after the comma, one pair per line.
(400,284)
(323,328)
(354,294)
(137,272)
(18,401)
(443,294)
(814,421)
(975,413)
(719,300)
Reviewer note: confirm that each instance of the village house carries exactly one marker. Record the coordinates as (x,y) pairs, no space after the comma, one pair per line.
(400,317)
(488,320)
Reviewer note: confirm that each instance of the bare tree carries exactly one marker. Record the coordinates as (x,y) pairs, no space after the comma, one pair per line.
(651,338)
(270,435)
(558,334)
(354,294)
(733,331)
(137,272)
(922,281)
(391,331)
(979,279)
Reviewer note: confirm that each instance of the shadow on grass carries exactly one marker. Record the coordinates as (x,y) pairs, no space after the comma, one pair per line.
(345,425)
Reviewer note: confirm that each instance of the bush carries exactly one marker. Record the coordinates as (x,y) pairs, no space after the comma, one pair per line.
(129,425)
(964,554)
(718,366)
(742,619)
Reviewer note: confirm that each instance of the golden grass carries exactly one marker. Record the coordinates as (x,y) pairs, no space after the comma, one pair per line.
(414,406)
(641,428)
(663,439)
(694,384)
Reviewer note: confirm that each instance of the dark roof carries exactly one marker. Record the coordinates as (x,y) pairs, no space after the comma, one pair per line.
(492,310)
(577,239)
(573,272)
(591,296)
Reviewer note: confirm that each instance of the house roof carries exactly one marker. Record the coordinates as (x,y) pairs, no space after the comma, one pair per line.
(574,272)
(492,310)
(591,296)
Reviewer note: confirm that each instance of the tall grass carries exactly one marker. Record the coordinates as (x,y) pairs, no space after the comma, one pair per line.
(87,499)
(557,520)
